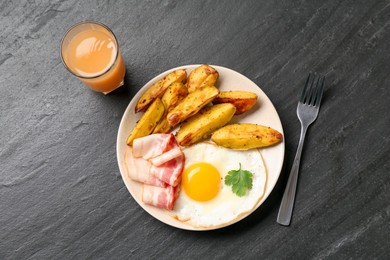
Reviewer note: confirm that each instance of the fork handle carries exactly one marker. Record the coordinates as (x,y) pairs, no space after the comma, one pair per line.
(287,204)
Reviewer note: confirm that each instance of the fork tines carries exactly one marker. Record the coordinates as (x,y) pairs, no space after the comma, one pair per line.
(312,92)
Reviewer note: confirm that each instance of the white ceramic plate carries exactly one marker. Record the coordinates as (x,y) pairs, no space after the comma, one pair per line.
(263,113)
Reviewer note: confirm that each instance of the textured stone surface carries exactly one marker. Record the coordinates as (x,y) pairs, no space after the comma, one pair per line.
(61,195)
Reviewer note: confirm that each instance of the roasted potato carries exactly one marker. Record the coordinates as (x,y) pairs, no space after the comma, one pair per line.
(159,88)
(162,126)
(191,104)
(242,100)
(246,136)
(148,121)
(172,96)
(206,121)
(202,76)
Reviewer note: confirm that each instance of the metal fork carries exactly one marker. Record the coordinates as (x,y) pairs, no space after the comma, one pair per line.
(307,112)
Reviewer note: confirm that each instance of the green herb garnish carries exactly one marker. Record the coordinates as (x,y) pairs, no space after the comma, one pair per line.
(240,180)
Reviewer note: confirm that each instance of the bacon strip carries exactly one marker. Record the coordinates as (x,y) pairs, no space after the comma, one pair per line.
(170,172)
(160,197)
(167,156)
(139,170)
(153,145)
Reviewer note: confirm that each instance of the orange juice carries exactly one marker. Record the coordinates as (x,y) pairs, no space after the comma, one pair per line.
(90,51)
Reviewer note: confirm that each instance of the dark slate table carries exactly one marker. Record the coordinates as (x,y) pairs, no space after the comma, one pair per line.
(61,194)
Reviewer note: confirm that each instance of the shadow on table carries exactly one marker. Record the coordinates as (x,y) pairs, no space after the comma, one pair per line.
(127,90)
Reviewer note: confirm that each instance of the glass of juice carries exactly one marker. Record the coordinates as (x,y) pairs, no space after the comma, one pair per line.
(90,51)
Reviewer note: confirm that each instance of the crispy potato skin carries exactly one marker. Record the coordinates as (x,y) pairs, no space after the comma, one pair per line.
(159,88)
(191,104)
(207,120)
(173,95)
(202,76)
(148,121)
(246,136)
(242,100)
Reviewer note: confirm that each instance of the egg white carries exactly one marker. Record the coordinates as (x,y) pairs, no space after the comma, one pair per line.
(226,207)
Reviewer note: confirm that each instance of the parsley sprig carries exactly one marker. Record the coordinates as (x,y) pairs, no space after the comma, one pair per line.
(240,180)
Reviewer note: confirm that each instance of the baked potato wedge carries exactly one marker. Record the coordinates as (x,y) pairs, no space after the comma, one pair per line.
(191,104)
(172,96)
(148,121)
(242,100)
(202,76)
(159,88)
(162,126)
(207,120)
(246,136)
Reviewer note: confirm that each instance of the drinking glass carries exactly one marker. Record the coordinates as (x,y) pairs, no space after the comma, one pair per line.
(90,51)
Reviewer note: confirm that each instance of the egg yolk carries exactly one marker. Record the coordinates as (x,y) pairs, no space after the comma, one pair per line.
(201,181)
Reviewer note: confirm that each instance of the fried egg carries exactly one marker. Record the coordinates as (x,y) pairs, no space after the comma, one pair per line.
(205,200)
